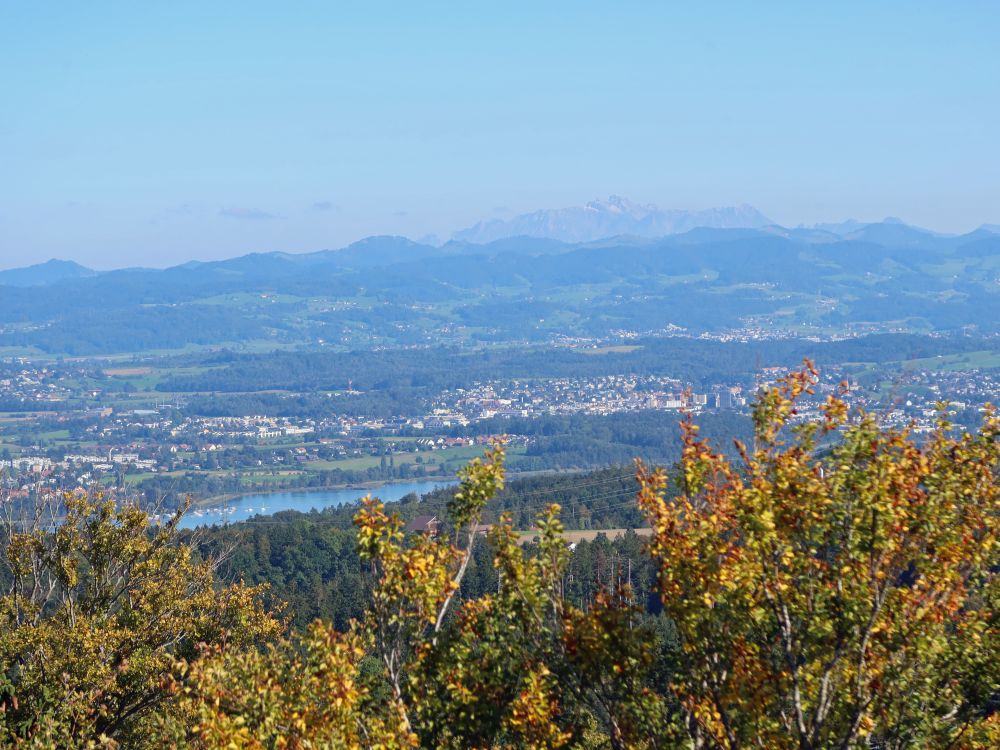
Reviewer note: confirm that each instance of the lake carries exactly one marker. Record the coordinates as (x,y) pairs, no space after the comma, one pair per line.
(249,506)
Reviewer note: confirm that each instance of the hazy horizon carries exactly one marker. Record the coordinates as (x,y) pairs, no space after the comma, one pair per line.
(151,136)
(437,241)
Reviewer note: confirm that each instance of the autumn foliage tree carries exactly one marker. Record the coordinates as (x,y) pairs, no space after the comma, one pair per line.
(837,588)
(98,608)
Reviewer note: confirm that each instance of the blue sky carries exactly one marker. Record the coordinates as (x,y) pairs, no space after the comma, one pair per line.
(154,133)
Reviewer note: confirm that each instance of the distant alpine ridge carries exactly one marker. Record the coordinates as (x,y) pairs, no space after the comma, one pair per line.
(845,278)
(615,216)
(49,272)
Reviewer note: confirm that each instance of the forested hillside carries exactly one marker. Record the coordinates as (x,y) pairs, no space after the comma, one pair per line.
(406,374)
(388,291)
(310,560)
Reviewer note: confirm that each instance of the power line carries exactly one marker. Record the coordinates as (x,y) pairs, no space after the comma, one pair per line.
(575,487)
(572,505)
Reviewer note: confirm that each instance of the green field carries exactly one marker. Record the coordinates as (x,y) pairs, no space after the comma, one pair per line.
(445,457)
(979,360)
(620,349)
(446,461)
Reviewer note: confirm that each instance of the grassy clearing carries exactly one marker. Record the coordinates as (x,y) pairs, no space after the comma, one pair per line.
(444,462)
(126,371)
(53,435)
(587,535)
(979,360)
(619,349)
(458,455)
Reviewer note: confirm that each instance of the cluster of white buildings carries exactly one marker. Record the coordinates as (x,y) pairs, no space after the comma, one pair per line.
(255,427)
(598,395)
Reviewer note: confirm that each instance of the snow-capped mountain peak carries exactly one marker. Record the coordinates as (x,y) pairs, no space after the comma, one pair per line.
(606,218)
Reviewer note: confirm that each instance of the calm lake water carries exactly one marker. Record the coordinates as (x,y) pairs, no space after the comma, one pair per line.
(249,506)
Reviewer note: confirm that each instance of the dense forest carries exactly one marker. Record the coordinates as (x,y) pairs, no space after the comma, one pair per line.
(402,375)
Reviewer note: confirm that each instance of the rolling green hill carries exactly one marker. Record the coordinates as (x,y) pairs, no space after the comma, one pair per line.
(390,292)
